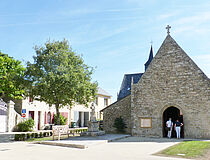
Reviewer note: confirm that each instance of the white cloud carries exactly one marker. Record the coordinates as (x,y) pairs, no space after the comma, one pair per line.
(85,11)
(167,15)
(101,32)
(198,19)
(197,24)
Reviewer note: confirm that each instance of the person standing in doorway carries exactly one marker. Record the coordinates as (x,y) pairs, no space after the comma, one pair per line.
(177,127)
(169,125)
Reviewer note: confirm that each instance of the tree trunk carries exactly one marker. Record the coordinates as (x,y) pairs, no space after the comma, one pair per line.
(2,95)
(58,114)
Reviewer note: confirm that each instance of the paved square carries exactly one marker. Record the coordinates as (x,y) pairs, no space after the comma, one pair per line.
(130,149)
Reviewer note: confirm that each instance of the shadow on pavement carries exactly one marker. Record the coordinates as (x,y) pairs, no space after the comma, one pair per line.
(146,139)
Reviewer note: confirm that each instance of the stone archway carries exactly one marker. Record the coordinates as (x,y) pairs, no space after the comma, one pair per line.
(174,113)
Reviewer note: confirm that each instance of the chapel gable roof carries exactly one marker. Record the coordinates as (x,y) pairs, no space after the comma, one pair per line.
(125,89)
(171,65)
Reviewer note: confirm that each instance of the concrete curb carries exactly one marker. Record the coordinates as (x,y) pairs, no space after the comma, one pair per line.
(118,138)
(71,145)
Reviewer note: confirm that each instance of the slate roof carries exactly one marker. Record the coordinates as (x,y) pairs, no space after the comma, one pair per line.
(125,89)
(150,59)
(103,92)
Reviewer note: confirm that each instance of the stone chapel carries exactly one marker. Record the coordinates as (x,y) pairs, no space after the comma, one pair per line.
(172,86)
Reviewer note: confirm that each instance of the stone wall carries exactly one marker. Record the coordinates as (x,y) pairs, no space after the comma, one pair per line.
(172,79)
(115,110)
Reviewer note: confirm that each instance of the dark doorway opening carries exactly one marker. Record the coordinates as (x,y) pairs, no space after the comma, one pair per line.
(31,114)
(173,113)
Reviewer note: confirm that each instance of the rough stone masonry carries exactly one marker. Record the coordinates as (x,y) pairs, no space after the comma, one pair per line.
(171,80)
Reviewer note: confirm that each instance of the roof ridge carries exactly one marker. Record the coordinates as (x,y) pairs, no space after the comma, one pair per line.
(132,73)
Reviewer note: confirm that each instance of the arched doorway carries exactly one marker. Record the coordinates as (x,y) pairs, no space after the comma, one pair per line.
(173,113)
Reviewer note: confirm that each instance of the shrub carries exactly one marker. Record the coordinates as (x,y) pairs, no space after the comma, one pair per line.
(36,135)
(20,137)
(83,130)
(63,120)
(120,125)
(23,137)
(32,135)
(25,125)
(78,130)
(17,137)
(28,135)
(40,134)
(45,134)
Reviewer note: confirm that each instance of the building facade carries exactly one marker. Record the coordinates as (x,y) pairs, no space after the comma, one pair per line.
(80,114)
(172,86)
(42,114)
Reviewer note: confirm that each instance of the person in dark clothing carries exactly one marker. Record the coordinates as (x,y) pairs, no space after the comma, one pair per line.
(177,127)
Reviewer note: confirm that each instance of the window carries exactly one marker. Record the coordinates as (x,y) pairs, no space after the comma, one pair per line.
(105,102)
(45,118)
(96,101)
(49,118)
(30,99)
(53,118)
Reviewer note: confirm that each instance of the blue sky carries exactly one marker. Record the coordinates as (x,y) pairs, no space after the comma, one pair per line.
(112,35)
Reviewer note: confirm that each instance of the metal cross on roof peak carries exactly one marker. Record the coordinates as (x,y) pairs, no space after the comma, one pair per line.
(168,29)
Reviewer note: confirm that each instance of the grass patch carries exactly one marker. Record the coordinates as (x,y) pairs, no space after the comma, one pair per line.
(188,149)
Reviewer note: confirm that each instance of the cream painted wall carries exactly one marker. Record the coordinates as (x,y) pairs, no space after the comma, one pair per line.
(37,106)
(43,107)
(82,108)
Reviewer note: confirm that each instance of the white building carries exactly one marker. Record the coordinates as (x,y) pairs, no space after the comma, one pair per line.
(42,113)
(80,115)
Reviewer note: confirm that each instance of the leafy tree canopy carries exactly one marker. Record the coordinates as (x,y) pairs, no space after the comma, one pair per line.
(59,76)
(11,77)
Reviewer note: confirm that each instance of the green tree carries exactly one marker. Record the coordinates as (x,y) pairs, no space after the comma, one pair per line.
(63,120)
(59,76)
(11,77)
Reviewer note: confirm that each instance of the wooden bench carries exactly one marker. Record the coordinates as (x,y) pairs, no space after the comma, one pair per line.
(59,130)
